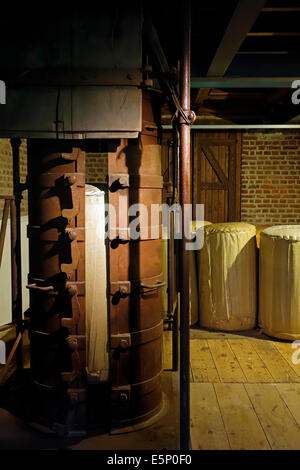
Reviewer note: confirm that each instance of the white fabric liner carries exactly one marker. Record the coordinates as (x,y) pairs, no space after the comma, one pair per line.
(194,302)
(5,272)
(279,282)
(164,289)
(227,277)
(194,311)
(96,288)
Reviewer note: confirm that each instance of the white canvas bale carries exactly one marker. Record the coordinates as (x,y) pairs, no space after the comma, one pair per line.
(194,303)
(227,277)
(279,282)
(96,297)
(194,316)
(164,290)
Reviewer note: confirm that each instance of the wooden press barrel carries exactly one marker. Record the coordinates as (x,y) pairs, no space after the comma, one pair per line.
(136,280)
(56,191)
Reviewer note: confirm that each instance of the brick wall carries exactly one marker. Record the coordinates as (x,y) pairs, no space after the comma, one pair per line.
(270,177)
(96,170)
(6,173)
(96,167)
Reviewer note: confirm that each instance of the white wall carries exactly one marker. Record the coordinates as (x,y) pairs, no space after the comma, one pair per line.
(5,273)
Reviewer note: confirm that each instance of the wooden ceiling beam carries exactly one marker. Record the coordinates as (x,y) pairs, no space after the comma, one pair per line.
(242,82)
(201,95)
(240,24)
(273,33)
(281,9)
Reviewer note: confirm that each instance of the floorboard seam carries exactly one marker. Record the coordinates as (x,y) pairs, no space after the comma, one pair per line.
(253,407)
(221,414)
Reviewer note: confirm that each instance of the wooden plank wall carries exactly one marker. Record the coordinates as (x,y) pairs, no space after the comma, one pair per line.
(215,173)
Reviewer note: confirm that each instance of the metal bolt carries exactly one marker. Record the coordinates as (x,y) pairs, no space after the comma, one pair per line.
(72,234)
(124,344)
(72,290)
(192,116)
(123,181)
(72,342)
(123,397)
(70,180)
(123,289)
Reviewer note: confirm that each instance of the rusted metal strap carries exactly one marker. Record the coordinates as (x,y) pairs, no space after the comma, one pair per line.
(43,285)
(71,213)
(76,152)
(126,340)
(53,234)
(34,286)
(69,268)
(141,388)
(54,338)
(149,128)
(151,232)
(80,286)
(153,286)
(128,287)
(69,377)
(74,343)
(72,289)
(73,181)
(77,395)
(51,180)
(74,320)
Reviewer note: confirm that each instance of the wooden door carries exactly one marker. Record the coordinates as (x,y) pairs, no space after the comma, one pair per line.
(216,175)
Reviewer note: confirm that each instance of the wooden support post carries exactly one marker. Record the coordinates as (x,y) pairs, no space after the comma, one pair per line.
(185,190)
(3,227)
(16,271)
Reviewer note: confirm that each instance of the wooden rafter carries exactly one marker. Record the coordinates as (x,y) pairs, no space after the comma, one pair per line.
(280,9)
(240,24)
(242,82)
(201,96)
(273,34)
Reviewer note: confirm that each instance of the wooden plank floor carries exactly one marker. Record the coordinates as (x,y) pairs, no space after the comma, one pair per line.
(245,392)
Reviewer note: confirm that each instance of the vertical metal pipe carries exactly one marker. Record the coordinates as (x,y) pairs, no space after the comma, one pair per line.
(16,247)
(184,254)
(3,227)
(176,164)
(175,340)
(14,269)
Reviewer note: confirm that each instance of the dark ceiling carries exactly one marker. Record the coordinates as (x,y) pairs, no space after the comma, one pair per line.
(245,55)
(262,43)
